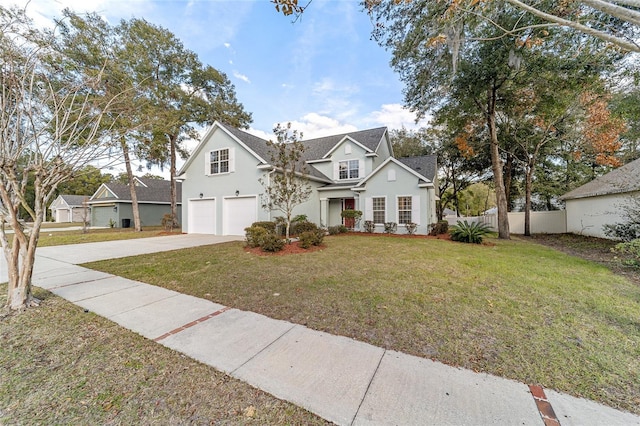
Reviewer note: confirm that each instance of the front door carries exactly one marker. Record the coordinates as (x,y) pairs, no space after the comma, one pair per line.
(349,204)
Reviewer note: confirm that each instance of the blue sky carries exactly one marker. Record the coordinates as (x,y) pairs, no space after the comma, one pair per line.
(323,73)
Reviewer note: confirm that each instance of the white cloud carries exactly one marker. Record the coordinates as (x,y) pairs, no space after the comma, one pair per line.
(261,134)
(314,125)
(395,116)
(227,45)
(242,77)
(44,11)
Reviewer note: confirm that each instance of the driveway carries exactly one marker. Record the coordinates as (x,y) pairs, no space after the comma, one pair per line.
(76,254)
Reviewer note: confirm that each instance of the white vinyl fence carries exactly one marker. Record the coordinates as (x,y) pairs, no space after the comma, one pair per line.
(554,222)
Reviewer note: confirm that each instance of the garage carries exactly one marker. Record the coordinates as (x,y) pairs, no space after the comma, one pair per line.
(239,213)
(202,216)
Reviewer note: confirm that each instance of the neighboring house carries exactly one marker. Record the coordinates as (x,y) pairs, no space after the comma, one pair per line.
(221,191)
(111,203)
(602,201)
(70,208)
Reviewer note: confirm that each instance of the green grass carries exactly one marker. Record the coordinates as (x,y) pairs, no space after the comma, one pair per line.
(513,308)
(60,365)
(59,238)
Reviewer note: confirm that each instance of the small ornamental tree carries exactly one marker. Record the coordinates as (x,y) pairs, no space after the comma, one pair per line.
(286,186)
(50,128)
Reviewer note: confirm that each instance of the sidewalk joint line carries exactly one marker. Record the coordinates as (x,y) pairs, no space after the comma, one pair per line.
(109,292)
(79,282)
(544,406)
(231,373)
(355,416)
(141,306)
(192,323)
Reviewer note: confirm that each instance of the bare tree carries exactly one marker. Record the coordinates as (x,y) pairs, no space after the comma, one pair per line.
(50,116)
(286,186)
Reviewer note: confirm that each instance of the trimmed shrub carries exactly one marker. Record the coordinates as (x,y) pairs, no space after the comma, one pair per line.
(390,227)
(272,243)
(369,226)
(311,238)
(300,218)
(442,227)
(255,235)
(411,227)
(269,226)
(466,232)
(337,229)
(622,231)
(298,228)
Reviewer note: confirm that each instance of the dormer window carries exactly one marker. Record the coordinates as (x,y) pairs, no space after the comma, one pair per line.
(220,161)
(349,169)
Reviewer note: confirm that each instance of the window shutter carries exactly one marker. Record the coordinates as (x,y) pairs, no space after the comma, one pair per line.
(360,169)
(232,160)
(207,165)
(336,170)
(368,208)
(415,209)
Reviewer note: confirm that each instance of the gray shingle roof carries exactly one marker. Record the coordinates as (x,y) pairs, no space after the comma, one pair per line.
(315,149)
(74,200)
(158,191)
(426,165)
(622,179)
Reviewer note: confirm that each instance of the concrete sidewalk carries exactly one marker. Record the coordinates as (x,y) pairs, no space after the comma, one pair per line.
(340,379)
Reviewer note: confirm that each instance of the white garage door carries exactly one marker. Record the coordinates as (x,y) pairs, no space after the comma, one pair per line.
(239,213)
(202,217)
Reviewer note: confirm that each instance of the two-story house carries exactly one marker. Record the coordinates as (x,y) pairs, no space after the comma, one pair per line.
(221,189)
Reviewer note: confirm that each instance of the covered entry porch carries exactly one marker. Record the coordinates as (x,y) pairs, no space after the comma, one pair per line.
(333,201)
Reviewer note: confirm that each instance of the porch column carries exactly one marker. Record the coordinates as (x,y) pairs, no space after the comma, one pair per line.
(358,224)
(324,212)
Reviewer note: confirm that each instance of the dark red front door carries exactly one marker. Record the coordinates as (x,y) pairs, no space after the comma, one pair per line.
(349,204)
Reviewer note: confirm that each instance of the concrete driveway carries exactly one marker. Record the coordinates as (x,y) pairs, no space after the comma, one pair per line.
(76,254)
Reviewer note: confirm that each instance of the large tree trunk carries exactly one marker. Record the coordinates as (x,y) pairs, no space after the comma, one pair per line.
(20,256)
(496,166)
(132,187)
(527,199)
(508,179)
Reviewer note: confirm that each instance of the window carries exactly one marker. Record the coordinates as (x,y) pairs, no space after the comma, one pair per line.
(219,161)
(349,169)
(379,211)
(404,210)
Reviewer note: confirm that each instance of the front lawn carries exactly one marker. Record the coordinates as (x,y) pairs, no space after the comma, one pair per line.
(62,366)
(511,308)
(59,238)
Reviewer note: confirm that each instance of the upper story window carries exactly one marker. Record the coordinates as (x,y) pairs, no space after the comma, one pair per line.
(349,169)
(219,161)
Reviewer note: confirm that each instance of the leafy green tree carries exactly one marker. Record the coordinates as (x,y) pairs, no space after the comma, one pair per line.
(93,42)
(409,143)
(182,94)
(286,186)
(478,80)
(85,181)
